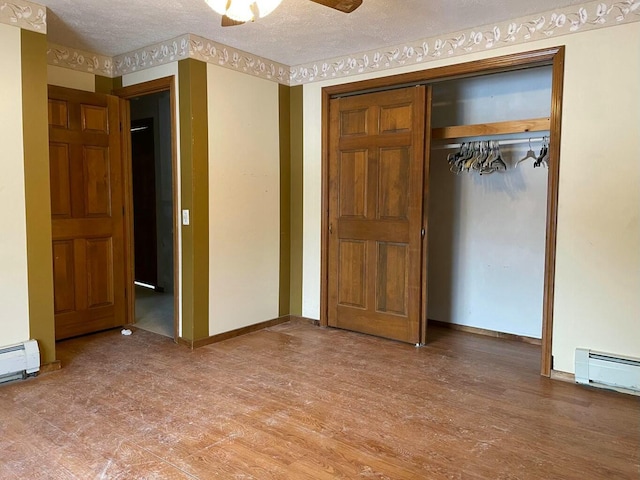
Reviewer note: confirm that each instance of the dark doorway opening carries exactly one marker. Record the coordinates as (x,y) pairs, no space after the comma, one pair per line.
(144,202)
(152,185)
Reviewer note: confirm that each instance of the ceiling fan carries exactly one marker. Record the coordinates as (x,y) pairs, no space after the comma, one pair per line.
(237,12)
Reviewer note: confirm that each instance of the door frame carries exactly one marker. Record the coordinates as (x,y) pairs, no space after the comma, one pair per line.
(126,94)
(553,57)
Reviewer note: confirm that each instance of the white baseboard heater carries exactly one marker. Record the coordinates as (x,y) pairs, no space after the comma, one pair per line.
(607,369)
(19,361)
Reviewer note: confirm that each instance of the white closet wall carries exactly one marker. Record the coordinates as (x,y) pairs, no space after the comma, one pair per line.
(487,233)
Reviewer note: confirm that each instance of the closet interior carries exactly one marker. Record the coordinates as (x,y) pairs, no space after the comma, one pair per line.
(487,191)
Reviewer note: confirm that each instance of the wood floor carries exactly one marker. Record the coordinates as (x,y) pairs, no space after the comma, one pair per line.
(300,402)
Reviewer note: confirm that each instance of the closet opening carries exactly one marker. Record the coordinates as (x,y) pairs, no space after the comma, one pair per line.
(491,165)
(487,195)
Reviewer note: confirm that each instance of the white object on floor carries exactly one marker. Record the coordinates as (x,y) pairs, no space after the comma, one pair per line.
(126,331)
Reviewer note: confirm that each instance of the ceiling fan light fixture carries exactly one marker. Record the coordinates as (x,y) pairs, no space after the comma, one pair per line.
(244,10)
(241,11)
(218,6)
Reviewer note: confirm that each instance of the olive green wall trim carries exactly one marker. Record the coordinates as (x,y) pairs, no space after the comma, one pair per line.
(194,173)
(296,142)
(284,112)
(35,127)
(107,85)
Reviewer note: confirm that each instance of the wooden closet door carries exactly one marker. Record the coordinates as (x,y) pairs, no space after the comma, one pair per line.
(87,212)
(376,182)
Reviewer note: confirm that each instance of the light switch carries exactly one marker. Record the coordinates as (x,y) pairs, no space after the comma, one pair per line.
(185,217)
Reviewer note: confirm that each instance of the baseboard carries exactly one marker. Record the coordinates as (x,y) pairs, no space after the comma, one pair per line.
(563,376)
(50,367)
(299,319)
(487,333)
(184,342)
(201,342)
(571,378)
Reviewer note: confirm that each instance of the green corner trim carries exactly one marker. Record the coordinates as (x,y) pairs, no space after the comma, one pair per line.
(285,199)
(296,198)
(35,127)
(194,173)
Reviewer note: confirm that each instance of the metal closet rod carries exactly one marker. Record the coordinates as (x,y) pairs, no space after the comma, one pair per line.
(513,141)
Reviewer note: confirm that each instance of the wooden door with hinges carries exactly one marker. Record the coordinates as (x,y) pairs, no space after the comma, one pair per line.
(376,185)
(87,211)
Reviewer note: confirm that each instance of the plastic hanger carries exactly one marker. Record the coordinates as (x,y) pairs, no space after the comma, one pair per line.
(530,154)
(544,154)
(455,159)
(497,163)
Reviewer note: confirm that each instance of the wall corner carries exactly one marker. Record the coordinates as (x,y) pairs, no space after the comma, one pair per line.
(37,192)
(194,178)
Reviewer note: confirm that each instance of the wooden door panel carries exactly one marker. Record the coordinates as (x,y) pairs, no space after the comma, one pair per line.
(354,122)
(94,119)
(99,260)
(72,324)
(58,113)
(63,276)
(376,165)
(96,180)
(353,183)
(81,279)
(74,227)
(371,322)
(87,212)
(393,180)
(356,142)
(396,118)
(60,178)
(384,230)
(393,278)
(352,273)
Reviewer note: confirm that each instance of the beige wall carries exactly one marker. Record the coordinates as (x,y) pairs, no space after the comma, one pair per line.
(597,281)
(598,266)
(14,297)
(65,77)
(244,209)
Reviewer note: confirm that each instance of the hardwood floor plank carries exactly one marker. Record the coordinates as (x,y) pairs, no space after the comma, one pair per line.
(297,401)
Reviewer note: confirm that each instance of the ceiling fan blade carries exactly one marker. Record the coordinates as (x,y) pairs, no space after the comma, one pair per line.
(346,6)
(229,22)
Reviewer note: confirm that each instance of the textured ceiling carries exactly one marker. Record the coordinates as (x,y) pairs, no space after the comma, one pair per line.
(299,31)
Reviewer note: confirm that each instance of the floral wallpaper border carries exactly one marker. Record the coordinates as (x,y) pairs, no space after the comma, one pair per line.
(554,23)
(79,60)
(158,54)
(199,48)
(219,54)
(563,21)
(24,14)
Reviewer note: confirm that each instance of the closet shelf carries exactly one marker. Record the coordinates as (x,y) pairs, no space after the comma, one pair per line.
(497,128)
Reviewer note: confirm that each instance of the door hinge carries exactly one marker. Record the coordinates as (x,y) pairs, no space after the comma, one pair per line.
(422,232)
